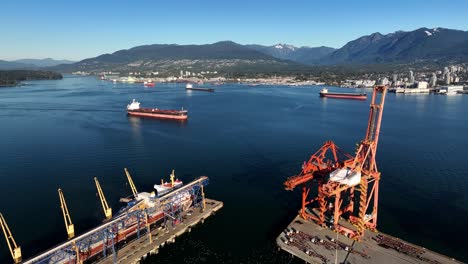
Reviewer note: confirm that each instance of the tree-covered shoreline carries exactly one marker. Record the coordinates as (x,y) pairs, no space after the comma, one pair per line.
(15,77)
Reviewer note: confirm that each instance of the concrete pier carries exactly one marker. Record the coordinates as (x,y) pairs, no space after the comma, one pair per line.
(315,244)
(137,249)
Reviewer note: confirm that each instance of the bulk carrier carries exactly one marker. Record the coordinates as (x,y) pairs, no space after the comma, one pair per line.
(134,109)
(359,96)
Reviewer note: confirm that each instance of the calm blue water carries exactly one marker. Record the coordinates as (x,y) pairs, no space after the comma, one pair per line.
(248,140)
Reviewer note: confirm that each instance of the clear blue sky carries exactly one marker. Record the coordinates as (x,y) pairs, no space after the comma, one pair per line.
(70,29)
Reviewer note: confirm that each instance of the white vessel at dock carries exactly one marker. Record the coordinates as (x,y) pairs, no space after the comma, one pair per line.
(166,187)
(450,90)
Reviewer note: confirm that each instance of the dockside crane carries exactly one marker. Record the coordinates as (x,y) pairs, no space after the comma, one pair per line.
(105,206)
(15,250)
(132,185)
(338,176)
(66,216)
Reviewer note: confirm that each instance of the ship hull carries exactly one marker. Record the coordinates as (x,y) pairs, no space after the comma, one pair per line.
(201,89)
(162,114)
(344,96)
(121,236)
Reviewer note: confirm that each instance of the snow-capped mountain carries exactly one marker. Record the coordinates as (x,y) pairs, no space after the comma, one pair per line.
(305,55)
(403,46)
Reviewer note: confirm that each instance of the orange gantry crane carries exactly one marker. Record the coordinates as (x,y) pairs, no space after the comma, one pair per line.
(340,177)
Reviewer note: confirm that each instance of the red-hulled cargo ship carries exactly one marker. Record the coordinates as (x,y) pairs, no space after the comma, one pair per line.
(132,224)
(359,96)
(134,109)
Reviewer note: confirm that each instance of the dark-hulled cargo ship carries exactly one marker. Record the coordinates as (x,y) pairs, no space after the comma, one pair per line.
(359,96)
(134,109)
(189,87)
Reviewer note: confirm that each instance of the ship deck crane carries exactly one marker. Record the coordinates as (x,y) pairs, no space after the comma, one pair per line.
(335,198)
(105,206)
(66,216)
(132,185)
(15,250)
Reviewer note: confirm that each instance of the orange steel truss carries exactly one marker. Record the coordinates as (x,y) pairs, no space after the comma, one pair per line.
(334,200)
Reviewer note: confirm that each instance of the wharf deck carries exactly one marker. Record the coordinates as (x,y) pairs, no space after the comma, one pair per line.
(138,249)
(342,249)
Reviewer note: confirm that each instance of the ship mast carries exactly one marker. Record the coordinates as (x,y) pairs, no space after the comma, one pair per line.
(172,178)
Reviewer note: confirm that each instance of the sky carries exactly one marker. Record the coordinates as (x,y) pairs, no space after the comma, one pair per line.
(75,30)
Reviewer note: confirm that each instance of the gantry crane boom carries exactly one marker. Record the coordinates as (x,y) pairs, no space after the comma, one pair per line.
(14,249)
(132,185)
(66,215)
(316,163)
(105,206)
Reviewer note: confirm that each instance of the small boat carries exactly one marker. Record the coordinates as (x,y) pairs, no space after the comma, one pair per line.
(190,87)
(148,84)
(134,109)
(166,187)
(359,96)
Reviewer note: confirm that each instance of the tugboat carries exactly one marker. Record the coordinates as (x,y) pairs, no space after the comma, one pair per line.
(166,187)
(359,96)
(149,83)
(134,109)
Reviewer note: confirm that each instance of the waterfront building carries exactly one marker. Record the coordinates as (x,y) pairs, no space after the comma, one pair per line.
(422,85)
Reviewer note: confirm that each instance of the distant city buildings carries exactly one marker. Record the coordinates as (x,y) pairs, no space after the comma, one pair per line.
(433,80)
(422,85)
(447,77)
(411,77)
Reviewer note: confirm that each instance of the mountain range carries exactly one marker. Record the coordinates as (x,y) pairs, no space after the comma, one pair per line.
(401,47)
(304,55)
(223,56)
(420,45)
(31,63)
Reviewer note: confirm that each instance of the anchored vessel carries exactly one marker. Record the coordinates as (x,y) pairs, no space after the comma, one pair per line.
(190,87)
(134,109)
(359,96)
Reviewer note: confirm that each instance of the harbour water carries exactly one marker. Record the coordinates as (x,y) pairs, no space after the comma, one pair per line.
(248,140)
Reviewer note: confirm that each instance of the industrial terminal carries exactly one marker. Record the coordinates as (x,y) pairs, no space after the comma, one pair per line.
(146,223)
(340,195)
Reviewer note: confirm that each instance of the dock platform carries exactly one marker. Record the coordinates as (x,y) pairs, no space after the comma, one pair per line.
(316,244)
(138,249)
